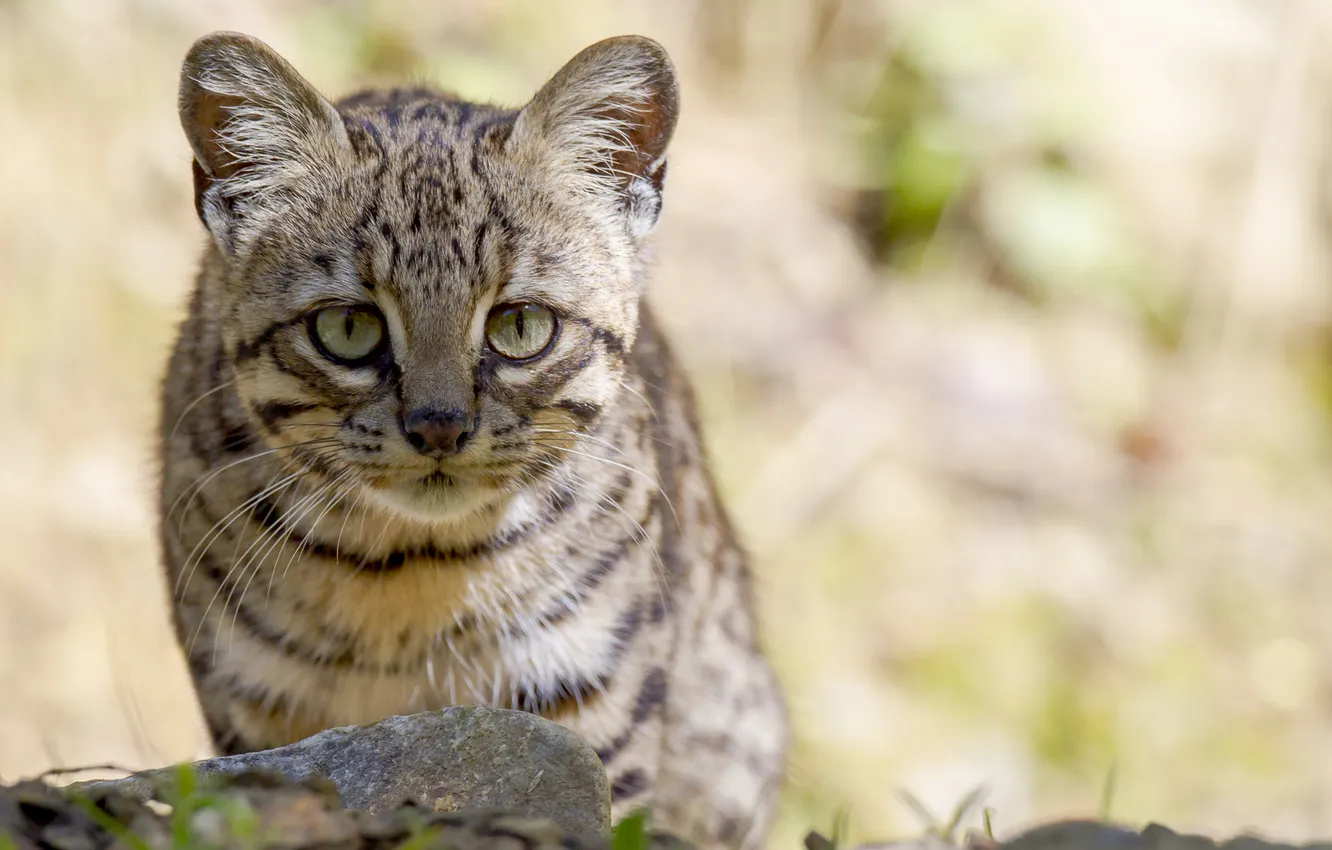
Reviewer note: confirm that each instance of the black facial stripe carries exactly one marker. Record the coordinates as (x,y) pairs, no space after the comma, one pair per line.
(321,374)
(247,350)
(237,439)
(586,412)
(274,411)
(315,374)
(611,341)
(551,375)
(478,245)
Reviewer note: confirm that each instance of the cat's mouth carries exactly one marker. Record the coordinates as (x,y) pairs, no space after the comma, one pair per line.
(414,480)
(438,478)
(431,496)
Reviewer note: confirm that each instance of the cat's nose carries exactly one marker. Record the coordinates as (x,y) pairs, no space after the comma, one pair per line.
(437,432)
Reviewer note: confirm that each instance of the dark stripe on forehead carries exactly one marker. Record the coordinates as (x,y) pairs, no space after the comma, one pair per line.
(378,98)
(478,243)
(365,138)
(492,132)
(431,110)
(463,111)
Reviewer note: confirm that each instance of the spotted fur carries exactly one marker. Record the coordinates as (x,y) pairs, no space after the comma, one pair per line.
(571,558)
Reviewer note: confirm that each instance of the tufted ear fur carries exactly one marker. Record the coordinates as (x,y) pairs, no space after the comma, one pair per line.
(257,128)
(604,122)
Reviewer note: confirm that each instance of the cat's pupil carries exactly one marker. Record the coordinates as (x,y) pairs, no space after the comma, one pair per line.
(518,324)
(347,324)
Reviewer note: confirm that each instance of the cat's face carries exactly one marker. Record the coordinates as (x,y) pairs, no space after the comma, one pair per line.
(428,301)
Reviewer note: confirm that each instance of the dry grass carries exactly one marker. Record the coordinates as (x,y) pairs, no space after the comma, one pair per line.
(1048,495)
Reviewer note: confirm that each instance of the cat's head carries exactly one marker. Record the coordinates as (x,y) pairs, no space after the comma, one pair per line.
(423,297)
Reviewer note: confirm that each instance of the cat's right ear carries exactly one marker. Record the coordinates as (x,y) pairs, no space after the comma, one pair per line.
(604,122)
(256,127)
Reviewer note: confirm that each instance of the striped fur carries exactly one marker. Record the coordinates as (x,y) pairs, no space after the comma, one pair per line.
(573,558)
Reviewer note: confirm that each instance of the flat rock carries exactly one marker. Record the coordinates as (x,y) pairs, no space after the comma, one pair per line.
(1078,835)
(455,759)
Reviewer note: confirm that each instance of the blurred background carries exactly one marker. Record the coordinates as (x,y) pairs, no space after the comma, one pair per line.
(1011,325)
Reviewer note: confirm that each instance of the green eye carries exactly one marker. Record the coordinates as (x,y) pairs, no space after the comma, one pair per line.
(347,335)
(520,331)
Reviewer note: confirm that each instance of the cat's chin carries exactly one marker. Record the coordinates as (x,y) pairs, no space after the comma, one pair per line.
(425,500)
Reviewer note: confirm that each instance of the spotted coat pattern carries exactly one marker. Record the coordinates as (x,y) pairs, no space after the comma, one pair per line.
(571,557)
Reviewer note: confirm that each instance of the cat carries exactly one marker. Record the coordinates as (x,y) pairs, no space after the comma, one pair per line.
(423,442)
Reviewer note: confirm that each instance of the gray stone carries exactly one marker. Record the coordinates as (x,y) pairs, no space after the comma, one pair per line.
(458,758)
(1076,835)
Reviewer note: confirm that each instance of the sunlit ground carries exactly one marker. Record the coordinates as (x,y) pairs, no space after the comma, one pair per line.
(1010,323)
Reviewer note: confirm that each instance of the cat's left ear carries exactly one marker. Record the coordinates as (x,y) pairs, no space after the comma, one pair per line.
(258,130)
(604,122)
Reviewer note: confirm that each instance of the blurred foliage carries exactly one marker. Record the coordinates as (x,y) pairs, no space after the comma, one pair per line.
(1044,227)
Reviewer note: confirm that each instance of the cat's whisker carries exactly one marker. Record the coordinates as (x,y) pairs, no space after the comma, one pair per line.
(631,470)
(389,520)
(649,406)
(204,480)
(220,527)
(297,423)
(577,436)
(268,541)
(652,480)
(351,511)
(189,407)
(274,534)
(189,649)
(284,531)
(659,568)
(652,437)
(341,489)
